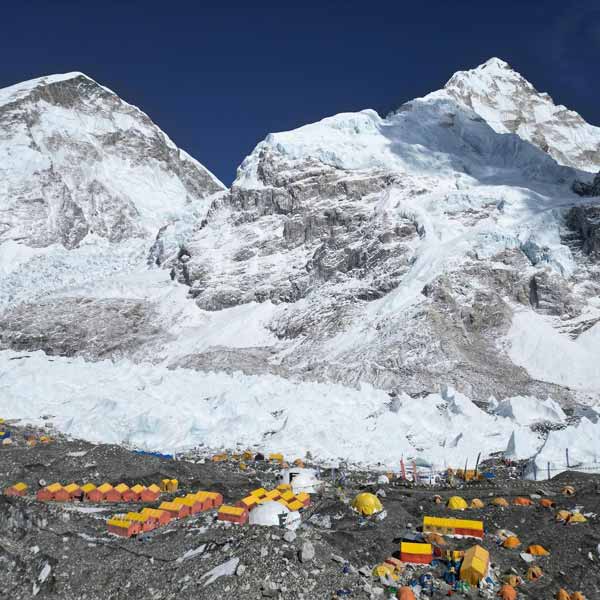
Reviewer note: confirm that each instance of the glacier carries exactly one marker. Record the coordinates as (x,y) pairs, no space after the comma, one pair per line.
(382,276)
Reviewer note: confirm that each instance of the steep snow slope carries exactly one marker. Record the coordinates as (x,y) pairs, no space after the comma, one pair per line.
(509,103)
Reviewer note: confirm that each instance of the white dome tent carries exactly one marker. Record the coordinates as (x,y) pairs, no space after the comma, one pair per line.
(274,514)
(301,480)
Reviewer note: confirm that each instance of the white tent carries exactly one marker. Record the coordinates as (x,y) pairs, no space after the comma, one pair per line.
(301,480)
(274,514)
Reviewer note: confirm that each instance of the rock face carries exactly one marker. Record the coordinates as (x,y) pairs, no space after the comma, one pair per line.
(585,222)
(588,189)
(92,328)
(75,160)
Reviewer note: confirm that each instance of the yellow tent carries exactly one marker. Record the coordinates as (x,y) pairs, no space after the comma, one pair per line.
(512,580)
(475,565)
(512,541)
(534,573)
(563,515)
(457,503)
(477,503)
(568,490)
(367,504)
(537,550)
(500,502)
(577,517)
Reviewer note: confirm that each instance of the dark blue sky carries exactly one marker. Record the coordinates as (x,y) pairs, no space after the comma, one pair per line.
(219,76)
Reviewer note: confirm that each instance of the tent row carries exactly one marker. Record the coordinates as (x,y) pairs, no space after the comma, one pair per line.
(134,523)
(282,495)
(106,492)
(274,457)
(453,527)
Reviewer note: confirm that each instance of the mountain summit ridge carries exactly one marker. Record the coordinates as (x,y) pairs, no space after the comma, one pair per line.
(511,104)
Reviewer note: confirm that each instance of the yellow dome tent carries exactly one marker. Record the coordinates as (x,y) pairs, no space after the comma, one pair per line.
(477,503)
(512,580)
(563,515)
(367,504)
(500,502)
(537,550)
(568,490)
(457,503)
(577,517)
(512,541)
(534,573)
(475,565)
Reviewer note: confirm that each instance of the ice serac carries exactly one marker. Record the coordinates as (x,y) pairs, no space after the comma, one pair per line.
(75,160)
(511,104)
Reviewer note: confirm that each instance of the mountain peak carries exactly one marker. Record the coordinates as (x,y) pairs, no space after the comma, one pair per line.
(494,62)
(511,104)
(23,89)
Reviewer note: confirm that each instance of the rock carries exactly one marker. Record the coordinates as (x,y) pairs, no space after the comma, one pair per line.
(364,571)
(270,589)
(241,569)
(338,559)
(289,536)
(588,189)
(584,222)
(307,552)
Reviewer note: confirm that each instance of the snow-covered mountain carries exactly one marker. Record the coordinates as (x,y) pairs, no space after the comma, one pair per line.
(510,104)
(77,160)
(440,247)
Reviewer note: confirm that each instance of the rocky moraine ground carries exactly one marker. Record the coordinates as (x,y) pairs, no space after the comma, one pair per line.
(63,550)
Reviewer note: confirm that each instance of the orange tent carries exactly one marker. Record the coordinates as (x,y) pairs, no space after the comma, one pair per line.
(500,502)
(521,501)
(547,503)
(562,595)
(435,538)
(507,592)
(577,596)
(537,550)
(405,593)
(511,541)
